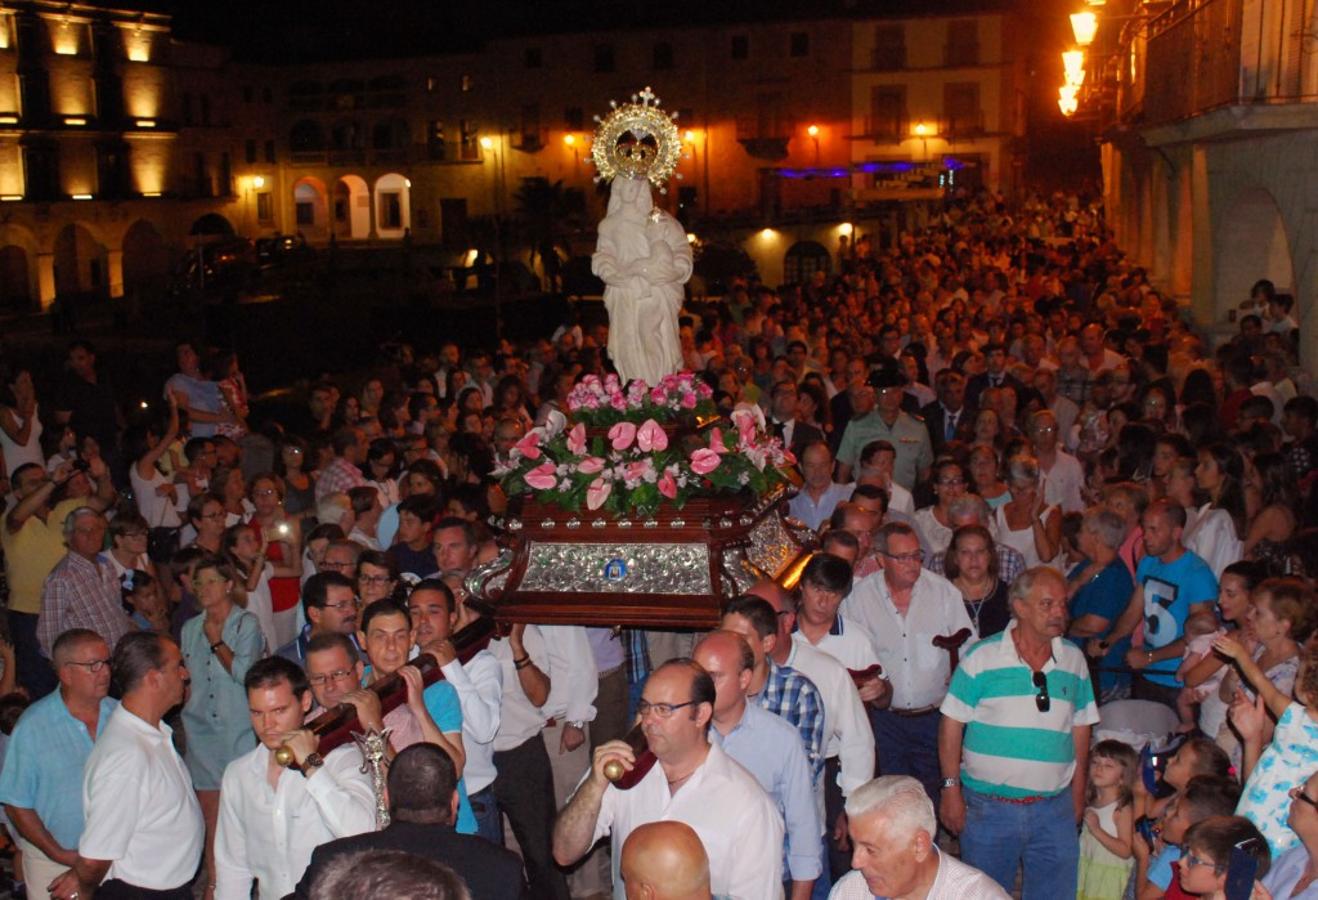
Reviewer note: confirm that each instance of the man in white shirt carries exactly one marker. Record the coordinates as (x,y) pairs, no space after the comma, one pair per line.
(271,817)
(1063,472)
(906,607)
(824,582)
(892,830)
(694,782)
(144,827)
(876,463)
(820,495)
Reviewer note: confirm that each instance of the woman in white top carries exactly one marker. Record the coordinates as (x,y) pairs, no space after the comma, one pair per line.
(1026,522)
(20,428)
(1217,531)
(935,522)
(157,497)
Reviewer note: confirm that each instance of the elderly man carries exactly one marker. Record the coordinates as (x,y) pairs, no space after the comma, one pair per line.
(82,590)
(665,861)
(1014,745)
(769,748)
(892,831)
(271,818)
(820,495)
(694,782)
(887,422)
(1064,476)
(906,607)
(41,784)
(144,827)
(971,509)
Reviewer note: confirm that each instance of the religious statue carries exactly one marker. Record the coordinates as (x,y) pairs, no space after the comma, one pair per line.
(643,256)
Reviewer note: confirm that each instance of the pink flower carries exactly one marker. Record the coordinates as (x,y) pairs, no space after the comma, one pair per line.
(651,436)
(704,461)
(668,485)
(597,493)
(618,402)
(716,441)
(688,400)
(529,446)
(622,435)
(658,396)
(542,477)
(576,439)
(590,465)
(638,470)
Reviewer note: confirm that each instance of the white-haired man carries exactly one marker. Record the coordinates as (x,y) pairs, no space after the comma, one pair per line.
(893,849)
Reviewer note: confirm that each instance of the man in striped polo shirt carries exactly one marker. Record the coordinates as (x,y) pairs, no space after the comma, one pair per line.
(1014,745)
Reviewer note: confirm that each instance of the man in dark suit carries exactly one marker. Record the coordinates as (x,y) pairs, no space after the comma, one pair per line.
(423,803)
(946,414)
(796,436)
(995,362)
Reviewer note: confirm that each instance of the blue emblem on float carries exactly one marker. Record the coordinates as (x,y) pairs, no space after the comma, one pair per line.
(615,570)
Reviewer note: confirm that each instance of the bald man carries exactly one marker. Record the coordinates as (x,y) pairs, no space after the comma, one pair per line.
(665,861)
(769,748)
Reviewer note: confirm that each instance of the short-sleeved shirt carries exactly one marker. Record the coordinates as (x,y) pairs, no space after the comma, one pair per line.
(32,552)
(1170,589)
(444,707)
(44,762)
(1011,748)
(1289,760)
(1106,597)
(907,435)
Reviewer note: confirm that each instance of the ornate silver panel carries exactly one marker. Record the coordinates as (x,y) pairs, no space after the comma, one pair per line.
(772,546)
(621,568)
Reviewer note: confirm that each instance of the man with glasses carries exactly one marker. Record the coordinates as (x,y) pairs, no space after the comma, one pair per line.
(1063,474)
(908,435)
(694,782)
(906,608)
(41,783)
(1014,744)
(331,606)
(82,590)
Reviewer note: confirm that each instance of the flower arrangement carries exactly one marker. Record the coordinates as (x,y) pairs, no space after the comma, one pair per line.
(637,465)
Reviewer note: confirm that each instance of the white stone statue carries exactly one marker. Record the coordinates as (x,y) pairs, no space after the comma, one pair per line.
(643,259)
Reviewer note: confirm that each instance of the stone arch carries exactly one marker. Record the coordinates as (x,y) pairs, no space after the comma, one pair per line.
(352,208)
(393,205)
(211,225)
(310,205)
(1250,243)
(146,259)
(80,262)
(804,258)
(17,279)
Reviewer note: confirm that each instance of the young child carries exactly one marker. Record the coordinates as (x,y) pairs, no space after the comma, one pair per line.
(1203,796)
(1200,632)
(1208,846)
(1106,857)
(1293,754)
(143,601)
(1197,756)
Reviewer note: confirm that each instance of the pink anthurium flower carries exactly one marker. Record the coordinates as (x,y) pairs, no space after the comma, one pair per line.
(542,477)
(590,465)
(622,435)
(716,441)
(576,439)
(529,446)
(668,485)
(704,461)
(597,493)
(651,436)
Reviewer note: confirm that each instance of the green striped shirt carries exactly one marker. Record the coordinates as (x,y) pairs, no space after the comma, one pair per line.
(1010,748)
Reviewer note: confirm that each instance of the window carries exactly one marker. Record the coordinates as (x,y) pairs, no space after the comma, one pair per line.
(574,119)
(391,209)
(888,112)
(305,213)
(962,43)
(249,151)
(604,61)
(961,108)
(435,143)
(270,151)
(248,93)
(265,206)
(889,48)
(464,84)
(663,56)
(800,44)
(741,46)
(533,58)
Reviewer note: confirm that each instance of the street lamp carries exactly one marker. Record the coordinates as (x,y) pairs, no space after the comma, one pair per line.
(570,140)
(813,131)
(1085,26)
(1073,64)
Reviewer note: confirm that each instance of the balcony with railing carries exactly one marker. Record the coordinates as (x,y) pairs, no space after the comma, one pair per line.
(887,129)
(962,125)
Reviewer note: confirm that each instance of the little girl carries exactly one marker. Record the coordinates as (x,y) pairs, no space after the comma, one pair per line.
(1208,846)
(143,602)
(1106,854)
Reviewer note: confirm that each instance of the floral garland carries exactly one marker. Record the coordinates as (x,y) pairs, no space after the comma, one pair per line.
(637,466)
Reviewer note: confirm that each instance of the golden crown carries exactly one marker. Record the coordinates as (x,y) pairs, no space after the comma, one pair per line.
(637,140)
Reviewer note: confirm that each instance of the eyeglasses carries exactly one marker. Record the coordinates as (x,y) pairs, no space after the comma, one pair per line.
(336,675)
(915,557)
(1190,861)
(660,710)
(952,482)
(133,534)
(214,515)
(354,603)
(1041,700)
(339,566)
(374,579)
(94,665)
(1297,793)
(199,583)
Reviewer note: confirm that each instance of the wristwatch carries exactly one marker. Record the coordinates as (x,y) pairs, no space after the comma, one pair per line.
(950,783)
(313,762)
(579,725)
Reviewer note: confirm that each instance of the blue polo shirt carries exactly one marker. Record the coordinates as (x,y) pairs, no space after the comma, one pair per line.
(44,762)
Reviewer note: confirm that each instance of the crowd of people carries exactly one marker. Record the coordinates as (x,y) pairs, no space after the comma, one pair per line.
(1056,637)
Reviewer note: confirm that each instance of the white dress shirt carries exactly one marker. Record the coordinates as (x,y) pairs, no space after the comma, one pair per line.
(900,499)
(269,834)
(519,720)
(919,671)
(479,683)
(142,813)
(955,881)
(723,803)
(1062,483)
(573,678)
(847,732)
(847,641)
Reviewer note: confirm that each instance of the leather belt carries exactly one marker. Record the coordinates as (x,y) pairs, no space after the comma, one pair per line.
(913,713)
(1017,801)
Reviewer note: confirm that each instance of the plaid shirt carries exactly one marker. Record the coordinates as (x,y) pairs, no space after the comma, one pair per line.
(790,695)
(1010,563)
(637,653)
(337,478)
(81,593)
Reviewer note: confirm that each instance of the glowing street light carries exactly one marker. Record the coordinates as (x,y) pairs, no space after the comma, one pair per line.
(569,139)
(922,130)
(1067,100)
(258,182)
(487,143)
(813,131)
(1073,64)
(1085,26)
